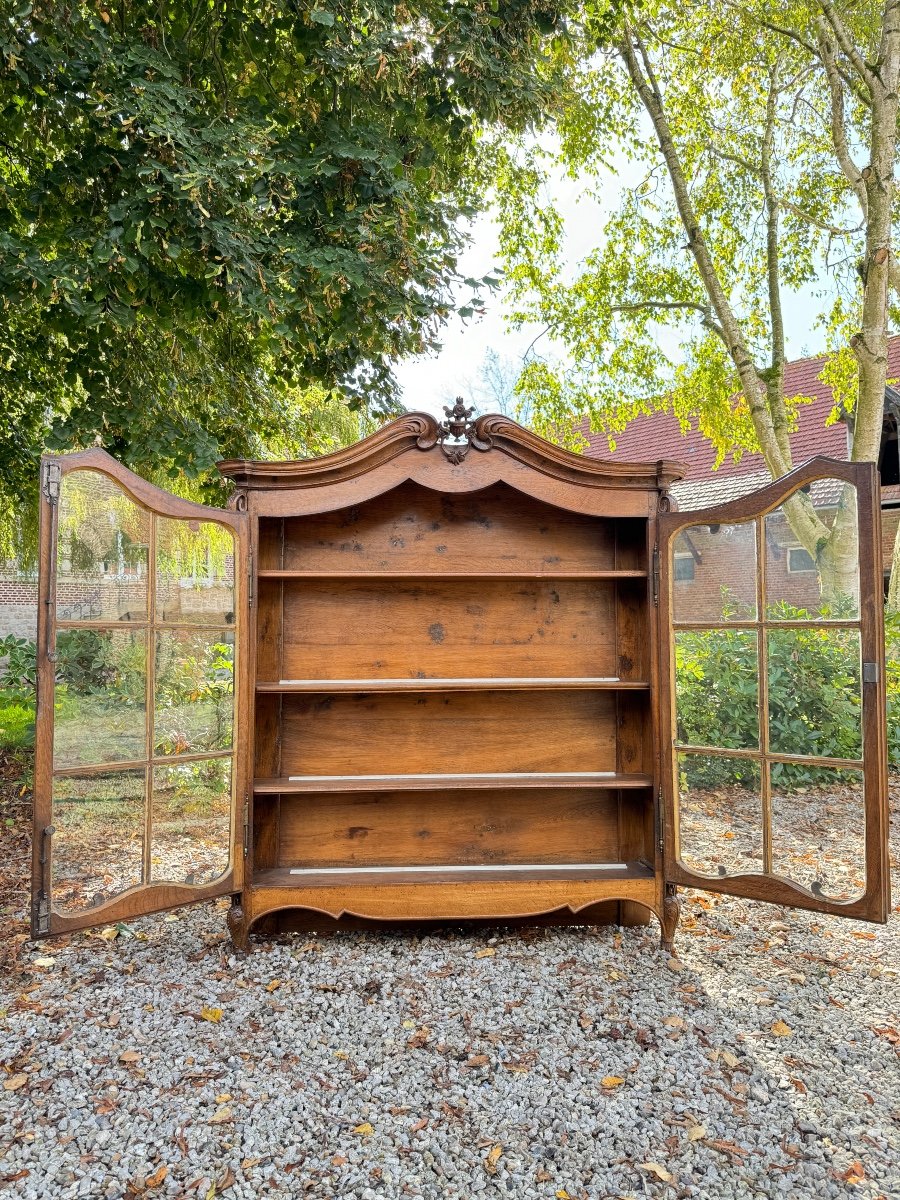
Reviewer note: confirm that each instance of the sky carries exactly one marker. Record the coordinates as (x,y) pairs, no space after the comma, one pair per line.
(429,382)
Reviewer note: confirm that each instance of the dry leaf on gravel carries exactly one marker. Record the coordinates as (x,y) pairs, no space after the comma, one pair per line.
(129,1056)
(781,1029)
(208,1013)
(273,986)
(696,1132)
(154,1180)
(419,1039)
(364,1130)
(658,1170)
(612,1081)
(221,1115)
(487,952)
(490,1163)
(14,1082)
(675,1022)
(855,1173)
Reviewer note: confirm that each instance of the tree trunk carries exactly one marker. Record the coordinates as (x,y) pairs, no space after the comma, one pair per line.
(838,560)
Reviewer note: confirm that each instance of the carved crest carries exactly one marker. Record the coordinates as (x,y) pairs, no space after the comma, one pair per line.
(457,432)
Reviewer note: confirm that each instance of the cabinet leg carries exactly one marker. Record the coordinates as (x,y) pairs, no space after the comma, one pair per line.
(671,913)
(237,926)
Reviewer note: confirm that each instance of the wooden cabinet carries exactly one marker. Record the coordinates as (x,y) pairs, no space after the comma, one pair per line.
(445,674)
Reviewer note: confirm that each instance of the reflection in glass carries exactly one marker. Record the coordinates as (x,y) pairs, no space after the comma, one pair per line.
(719,814)
(101,557)
(98,839)
(191,822)
(803,583)
(101,697)
(819,829)
(714,573)
(194,572)
(717,688)
(815,702)
(194,694)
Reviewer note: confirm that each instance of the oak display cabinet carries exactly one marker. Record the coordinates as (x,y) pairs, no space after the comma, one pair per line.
(443,675)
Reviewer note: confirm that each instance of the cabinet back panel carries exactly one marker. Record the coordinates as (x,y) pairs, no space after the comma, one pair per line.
(454,828)
(371,629)
(414,529)
(426,733)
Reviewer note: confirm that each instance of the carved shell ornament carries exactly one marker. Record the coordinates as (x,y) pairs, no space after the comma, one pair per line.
(456,434)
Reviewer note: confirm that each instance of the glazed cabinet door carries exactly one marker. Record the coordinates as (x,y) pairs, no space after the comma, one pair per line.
(773,695)
(141,654)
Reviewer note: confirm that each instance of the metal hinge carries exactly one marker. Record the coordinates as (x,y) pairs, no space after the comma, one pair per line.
(250,579)
(655,575)
(870,672)
(50,485)
(246,824)
(660,840)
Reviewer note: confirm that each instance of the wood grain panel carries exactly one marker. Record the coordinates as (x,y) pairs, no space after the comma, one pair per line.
(416,529)
(483,731)
(371,629)
(399,828)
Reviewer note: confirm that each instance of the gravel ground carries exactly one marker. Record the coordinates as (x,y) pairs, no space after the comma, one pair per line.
(538,1063)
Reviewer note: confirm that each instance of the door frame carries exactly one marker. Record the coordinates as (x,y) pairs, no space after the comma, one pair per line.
(874,904)
(142,898)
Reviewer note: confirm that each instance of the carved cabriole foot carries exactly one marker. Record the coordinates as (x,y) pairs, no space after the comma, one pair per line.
(238,926)
(671,913)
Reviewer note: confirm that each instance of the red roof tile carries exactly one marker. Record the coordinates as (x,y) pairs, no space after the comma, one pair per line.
(659,436)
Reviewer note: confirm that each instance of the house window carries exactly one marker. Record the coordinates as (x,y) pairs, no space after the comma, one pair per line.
(799,560)
(684,567)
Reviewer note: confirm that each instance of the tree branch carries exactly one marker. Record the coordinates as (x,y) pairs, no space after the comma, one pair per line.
(838,127)
(704,309)
(843,39)
(774,378)
(629,47)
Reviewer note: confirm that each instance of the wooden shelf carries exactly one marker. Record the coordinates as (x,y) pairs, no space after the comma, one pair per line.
(488,684)
(420,576)
(495,873)
(306,784)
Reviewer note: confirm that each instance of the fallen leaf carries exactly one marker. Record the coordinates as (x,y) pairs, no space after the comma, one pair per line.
(154,1180)
(730,1060)
(855,1173)
(23,1174)
(724,1147)
(129,1056)
(562,1194)
(273,986)
(487,952)
(15,1082)
(225,1180)
(658,1170)
(250,1162)
(418,1125)
(419,1039)
(365,1130)
(339,1160)
(780,1029)
(477,1060)
(43,962)
(675,1022)
(221,1115)
(490,1163)
(612,1081)
(223,1097)
(696,1132)
(109,934)
(211,1014)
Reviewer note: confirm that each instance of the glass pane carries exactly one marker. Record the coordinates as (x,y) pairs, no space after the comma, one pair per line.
(194,691)
(194,572)
(812,554)
(717,688)
(101,697)
(101,554)
(815,703)
(98,839)
(191,822)
(819,829)
(714,573)
(720,819)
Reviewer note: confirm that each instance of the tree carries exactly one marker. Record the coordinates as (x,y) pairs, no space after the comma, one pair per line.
(768,135)
(208,209)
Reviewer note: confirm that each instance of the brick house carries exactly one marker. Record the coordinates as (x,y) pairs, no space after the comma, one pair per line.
(717,558)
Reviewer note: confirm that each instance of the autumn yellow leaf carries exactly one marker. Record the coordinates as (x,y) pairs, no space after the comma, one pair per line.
(730,1060)
(15,1082)
(487,952)
(223,1097)
(154,1180)
(855,1173)
(780,1029)
(109,934)
(273,986)
(342,1055)
(490,1163)
(675,1022)
(696,1132)
(221,1115)
(364,1130)
(562,1194)
(44,962)
(658,1170)
(612,1081)
(211,1014)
